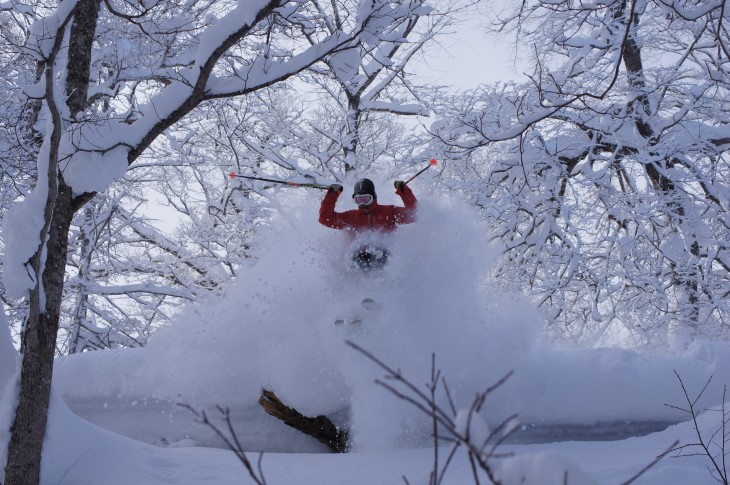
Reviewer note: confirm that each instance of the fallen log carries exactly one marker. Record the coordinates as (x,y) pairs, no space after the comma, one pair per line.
(320,428)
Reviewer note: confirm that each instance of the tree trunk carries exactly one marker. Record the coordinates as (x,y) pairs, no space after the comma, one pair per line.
(687,282)
(24,452)
(41,329)
(80,313)
(352,131)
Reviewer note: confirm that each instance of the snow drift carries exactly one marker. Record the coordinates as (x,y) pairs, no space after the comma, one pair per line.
(274,328)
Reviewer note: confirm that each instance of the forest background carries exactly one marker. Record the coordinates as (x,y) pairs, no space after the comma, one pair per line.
(602,171)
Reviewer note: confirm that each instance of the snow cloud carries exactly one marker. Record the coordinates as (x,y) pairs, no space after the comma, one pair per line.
(274,328)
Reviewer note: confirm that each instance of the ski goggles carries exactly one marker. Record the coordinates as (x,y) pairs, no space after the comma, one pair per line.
(363,199)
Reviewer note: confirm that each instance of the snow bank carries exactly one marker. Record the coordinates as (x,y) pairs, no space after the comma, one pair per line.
(542,468)
(76,452)
(589,386)
(8,386)
(79,453)
(8,354)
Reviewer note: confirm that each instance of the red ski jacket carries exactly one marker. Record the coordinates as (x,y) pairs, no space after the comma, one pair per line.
(376,217)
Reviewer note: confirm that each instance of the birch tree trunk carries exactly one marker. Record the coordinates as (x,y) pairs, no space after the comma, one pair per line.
(49,264)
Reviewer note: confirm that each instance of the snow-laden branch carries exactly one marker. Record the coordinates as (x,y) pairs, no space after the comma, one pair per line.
(104,146)
(147,288)
(395,108)
(154,237)
(691,11)
(264,72)
(606,176)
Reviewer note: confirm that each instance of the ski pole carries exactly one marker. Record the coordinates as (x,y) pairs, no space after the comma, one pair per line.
(283,182)
(431,163)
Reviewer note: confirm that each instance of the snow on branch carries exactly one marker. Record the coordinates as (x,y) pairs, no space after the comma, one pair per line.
(140,288)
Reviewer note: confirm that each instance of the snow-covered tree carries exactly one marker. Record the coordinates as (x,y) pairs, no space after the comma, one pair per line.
(18,138)
(114,76)
(361,94)
(606,173)
(277,132)
(364,80)
(125,276)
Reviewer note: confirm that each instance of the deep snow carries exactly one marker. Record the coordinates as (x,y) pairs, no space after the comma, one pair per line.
(87,455)
(274,328)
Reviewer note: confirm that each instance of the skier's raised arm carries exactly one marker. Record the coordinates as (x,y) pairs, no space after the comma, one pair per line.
(407,214)
(327,215)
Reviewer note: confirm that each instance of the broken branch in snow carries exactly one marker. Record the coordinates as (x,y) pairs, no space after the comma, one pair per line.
(320,428)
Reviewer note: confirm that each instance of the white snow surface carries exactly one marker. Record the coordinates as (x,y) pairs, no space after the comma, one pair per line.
(214,36)
(8,383)
(95,171)
(79,453)
(22,226)
(274,328)
(83,454)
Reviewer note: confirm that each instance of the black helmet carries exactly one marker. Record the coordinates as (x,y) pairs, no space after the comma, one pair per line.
(364,186)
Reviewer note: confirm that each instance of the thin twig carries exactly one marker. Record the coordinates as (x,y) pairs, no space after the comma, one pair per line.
(432,388)
(448,460)
(650,465)
(474,471)
(231,442)
(716,468)
(395,374)
(427,404)
(724,434)
(448,396)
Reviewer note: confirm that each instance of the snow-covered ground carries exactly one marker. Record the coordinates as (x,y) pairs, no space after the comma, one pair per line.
(83,454)
(274,329)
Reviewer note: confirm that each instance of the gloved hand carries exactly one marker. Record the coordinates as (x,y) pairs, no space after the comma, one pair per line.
(336,188)
(399,185)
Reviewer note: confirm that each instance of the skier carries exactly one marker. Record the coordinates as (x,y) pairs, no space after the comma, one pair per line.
(369,217)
